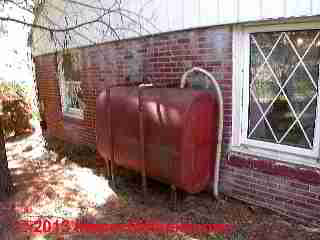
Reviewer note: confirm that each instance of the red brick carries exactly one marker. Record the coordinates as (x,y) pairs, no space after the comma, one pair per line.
(183,40)
(280,193)
(301,186)
(163,57)
(239,162)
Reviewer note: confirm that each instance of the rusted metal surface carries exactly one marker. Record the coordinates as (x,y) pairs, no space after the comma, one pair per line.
(104,127)
(179,136)
(142,143)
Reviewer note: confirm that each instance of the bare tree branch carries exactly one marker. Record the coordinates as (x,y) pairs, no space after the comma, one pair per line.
(42,27)
(33,7)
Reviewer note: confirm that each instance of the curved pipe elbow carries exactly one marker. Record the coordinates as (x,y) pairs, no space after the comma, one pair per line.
(220,127)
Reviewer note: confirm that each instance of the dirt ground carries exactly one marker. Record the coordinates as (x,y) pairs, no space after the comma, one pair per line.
(58,182)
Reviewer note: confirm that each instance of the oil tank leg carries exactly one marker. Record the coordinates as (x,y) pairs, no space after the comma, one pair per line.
(144,186)
(142,146)
(110,136)
(112,175)
(174,197)
(108,173)
(106,170)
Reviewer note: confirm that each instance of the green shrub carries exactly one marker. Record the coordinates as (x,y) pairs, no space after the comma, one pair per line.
(16,111)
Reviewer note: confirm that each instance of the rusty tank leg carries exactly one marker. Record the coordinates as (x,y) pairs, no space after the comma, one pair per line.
(144,187)
(110,135)
(142,146)
(174,197)
(111,171)
(108,172)
(114,173)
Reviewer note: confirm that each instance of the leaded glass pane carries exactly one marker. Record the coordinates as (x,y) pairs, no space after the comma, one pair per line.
(255,114)
(284,75)
(263,133)
(302,40)
(280,116)
(266,41)
(265,87)
(300,90)
(296,138)
(307,119)
(283,60)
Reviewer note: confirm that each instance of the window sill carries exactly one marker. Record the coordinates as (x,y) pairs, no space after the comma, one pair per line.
(277,155)
(74,115)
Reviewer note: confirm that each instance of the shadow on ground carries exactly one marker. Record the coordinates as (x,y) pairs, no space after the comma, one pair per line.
(58,181)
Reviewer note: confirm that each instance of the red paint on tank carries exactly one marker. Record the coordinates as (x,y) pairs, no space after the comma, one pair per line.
(180,127)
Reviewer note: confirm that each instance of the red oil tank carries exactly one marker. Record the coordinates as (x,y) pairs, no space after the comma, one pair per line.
(180,127)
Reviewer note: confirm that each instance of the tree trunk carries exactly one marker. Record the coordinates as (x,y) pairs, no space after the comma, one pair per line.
(6,185)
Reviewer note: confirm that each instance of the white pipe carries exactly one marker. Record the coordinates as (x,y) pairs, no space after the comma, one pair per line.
(220,130)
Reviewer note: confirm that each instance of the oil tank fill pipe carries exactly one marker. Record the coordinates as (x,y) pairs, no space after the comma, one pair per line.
(183,84)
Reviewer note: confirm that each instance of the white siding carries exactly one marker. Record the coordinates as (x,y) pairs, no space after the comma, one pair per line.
(175,14)
(249,11)
(191,13)
(208,12)
(298,8)
(270,11)
(315,7)
(155,12)
(171,15)
(227,11)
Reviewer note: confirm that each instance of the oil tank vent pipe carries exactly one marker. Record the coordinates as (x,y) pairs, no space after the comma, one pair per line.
(217,88)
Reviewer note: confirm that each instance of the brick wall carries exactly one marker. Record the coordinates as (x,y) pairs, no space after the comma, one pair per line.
(291,190)
(161,59)
(72,130)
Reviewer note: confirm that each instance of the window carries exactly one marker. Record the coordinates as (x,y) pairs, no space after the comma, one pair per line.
(70,85)
(278,93)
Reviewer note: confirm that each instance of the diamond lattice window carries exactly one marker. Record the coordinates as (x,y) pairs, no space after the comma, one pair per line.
(70,84)
(284,77)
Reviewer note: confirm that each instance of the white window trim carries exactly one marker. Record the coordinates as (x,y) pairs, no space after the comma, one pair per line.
(240,101)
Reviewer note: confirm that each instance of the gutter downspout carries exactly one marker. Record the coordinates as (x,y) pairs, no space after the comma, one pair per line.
(220,126)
